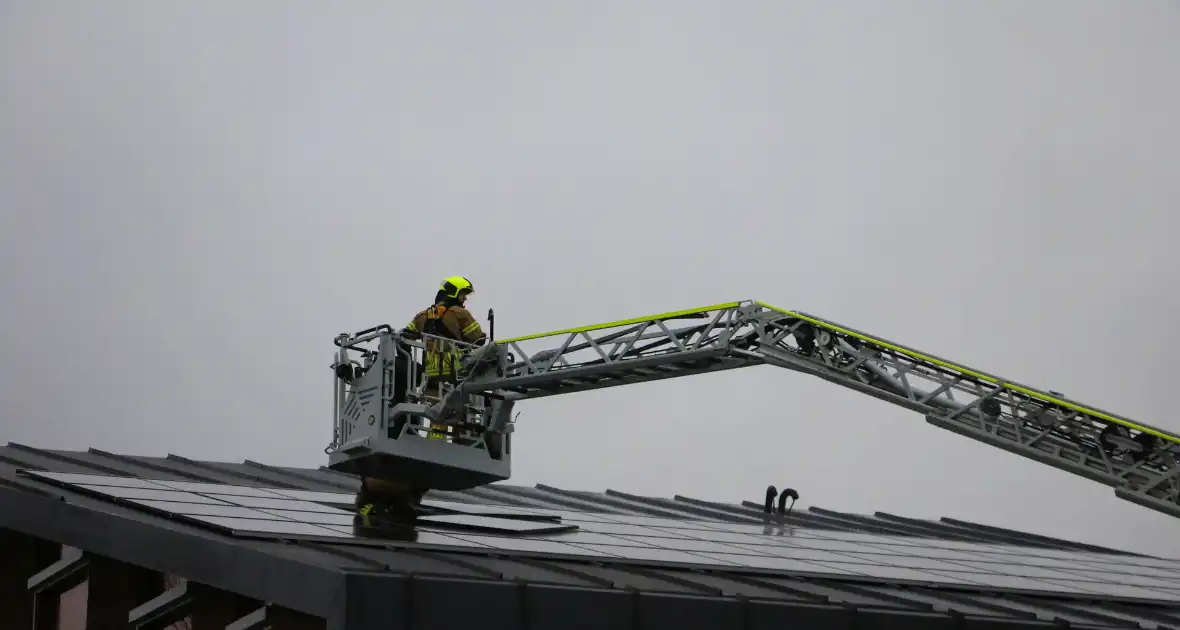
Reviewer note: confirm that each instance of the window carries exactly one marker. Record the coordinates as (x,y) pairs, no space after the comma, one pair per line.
(71,608)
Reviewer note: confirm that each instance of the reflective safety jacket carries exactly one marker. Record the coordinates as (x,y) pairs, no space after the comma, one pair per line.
(450,322)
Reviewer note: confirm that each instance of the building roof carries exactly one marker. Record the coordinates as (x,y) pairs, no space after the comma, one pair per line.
(675,552)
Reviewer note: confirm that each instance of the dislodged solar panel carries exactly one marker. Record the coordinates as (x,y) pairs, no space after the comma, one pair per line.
(693,543)
(490,524)
(498,511)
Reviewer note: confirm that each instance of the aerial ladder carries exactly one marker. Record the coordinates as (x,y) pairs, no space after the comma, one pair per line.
(455,435)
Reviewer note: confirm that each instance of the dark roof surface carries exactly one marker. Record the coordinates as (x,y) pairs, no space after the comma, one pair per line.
(818,556)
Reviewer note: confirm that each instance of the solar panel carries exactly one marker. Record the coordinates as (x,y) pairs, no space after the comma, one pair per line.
(1018,570)
(206,509)
(1172,566)
(275,527)
(624,529)
(695,534)
(217,488)
(655,521)
(531,545)
(909,562)
(476,508)
(1122,569)
(335,498)
(733,546)
(1117,590)
(660,555)
(688,544)
(927,552)
(923,560)
(263,503)
(894,572)
(279,511)
(146,494)
(833,545)
(485,523)
(419,536)
(96,480)
(568,516)
(778,564)
(1125,579)
(496,511)
(316,518)
(745,528)
(806,553)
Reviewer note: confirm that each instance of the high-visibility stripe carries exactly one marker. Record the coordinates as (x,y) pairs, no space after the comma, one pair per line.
(625,322)
(977,374)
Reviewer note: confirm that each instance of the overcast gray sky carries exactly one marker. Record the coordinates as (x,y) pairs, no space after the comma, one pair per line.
(194,199)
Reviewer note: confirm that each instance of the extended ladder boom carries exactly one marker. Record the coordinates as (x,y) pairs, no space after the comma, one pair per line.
(1138,461)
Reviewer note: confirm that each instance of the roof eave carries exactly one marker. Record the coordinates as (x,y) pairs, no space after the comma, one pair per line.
(211,560)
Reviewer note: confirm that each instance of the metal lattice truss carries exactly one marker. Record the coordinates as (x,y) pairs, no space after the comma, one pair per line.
(1139,461)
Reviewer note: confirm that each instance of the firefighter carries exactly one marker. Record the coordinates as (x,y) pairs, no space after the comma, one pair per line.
(447,318)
